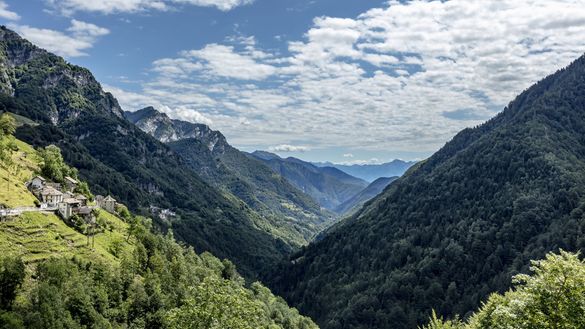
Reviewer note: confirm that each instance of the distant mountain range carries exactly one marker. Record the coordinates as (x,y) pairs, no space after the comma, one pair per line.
(289,214)
(358,200)
(371,172)
(329,186)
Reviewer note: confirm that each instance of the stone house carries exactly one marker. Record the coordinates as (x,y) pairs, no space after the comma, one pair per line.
(82,199)
(67,207)
(56,186)
(51,196)
(109,204)
(86,214)
(37,183)
(70,183)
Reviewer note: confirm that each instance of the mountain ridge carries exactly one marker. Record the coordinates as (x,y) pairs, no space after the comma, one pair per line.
(293,215)
(369,192)
(458,225)
(371,172)
(328,186)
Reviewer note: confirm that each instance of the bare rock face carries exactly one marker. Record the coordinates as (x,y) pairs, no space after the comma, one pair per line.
(166,130)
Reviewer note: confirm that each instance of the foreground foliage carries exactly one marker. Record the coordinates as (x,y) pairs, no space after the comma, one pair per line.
(158,284)
(553,297)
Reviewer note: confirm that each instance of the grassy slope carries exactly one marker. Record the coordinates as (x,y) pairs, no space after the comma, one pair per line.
(38,236)
(13,193)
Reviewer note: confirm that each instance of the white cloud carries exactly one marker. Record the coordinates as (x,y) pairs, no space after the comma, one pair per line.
(81,37)
(68,7)
(223,61)
(404,77)
(86,30)
(186,114)
(7,14)
(348,155)
(223,5)
(288,148)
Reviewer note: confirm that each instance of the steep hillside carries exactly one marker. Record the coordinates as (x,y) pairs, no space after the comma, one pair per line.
(329,186)
(457,226)
(116,157)
(127,277)
(371,172)
(289,214)
(358,200)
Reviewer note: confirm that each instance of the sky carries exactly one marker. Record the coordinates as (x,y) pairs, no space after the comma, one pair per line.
(347,81)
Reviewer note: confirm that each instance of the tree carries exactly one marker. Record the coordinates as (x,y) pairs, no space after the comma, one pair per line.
(83,188)
(136,226)
(54,167)
(7,125)
(7,129)
(218,304)
(11,277)
(553,297)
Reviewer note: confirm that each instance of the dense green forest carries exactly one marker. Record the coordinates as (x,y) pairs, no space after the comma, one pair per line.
(552,297)
(459,225)
(158,285)
(115,157)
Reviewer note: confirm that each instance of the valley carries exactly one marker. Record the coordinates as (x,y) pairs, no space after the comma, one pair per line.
(262,165)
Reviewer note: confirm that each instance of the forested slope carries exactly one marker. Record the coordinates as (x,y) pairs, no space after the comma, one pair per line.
(287,212)
(457,226)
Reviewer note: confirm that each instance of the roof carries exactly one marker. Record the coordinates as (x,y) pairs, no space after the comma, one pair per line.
(39,177)
(71,201)
(50,191)
(70,180)
(109,198)
(84,210)
(80,197)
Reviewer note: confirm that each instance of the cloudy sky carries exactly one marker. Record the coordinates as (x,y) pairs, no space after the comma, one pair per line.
(338,80)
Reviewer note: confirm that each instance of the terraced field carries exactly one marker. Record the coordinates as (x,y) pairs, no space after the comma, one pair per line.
(38,236)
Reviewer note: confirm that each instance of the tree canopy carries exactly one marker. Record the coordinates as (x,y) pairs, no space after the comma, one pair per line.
(552,297)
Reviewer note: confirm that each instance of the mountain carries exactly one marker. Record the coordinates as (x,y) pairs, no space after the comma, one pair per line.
(459,225)
(54,274)
(289,214)
(371,172)
(329,186)
(116,157)
(161,127)
(358,200)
